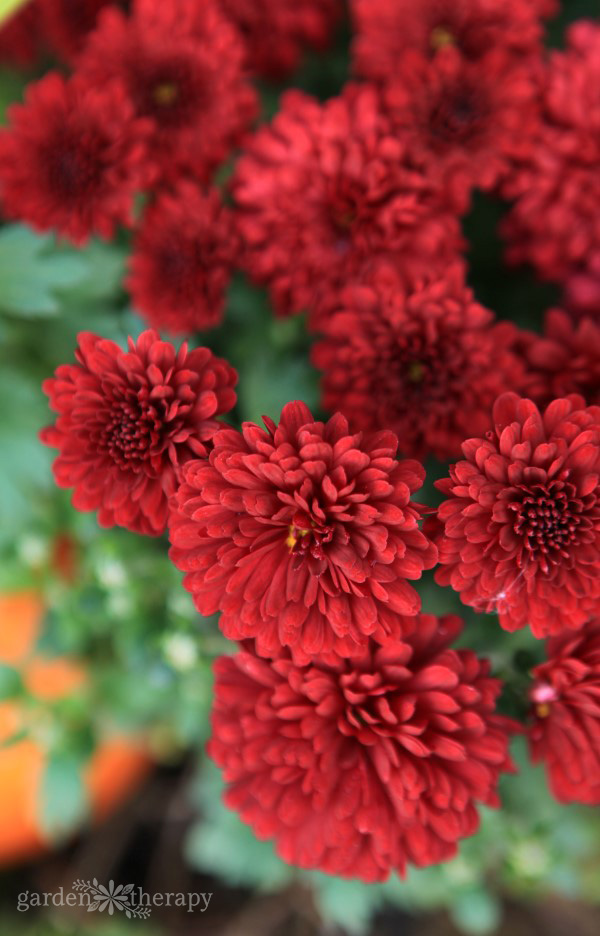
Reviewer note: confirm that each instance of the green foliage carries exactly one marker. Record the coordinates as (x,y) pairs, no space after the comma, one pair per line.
(32,270)
(64,802)
(147,651)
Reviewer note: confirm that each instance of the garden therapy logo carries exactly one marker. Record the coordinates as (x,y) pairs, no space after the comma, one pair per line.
(133,901)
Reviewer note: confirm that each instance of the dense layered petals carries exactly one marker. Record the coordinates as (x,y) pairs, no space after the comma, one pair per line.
(564,360)
(275,34)
(182,65)
(326,188)
(360,767)
(129,420)
(565,734)
(303,535)
(183,256)
(554,224)
(67,23)
(465,122)
(423,359)
(73,158)
(521,525)
(387,29)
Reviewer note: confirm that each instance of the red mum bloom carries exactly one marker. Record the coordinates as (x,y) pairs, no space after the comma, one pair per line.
(422,359)
(566,705)
(73,158)
(388,29)
(303,535)
(182,65)
(182,260)
(465,122)
(67,23)
(358,767)
(555,224)
(566,359)
(19,37)
(128,421)
(276,33)
(326,188)
(521,527)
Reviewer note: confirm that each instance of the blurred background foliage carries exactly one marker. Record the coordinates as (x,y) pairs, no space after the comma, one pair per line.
(114,601)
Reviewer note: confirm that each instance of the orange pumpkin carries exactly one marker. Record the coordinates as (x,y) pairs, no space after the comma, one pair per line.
(115,769)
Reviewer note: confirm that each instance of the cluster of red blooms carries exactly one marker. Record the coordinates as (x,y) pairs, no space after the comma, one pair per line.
(348,728)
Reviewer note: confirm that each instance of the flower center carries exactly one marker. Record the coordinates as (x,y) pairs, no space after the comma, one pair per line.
(72,171)
(542,695)
(416,372)
(306,538)
(441,37)
(455,116)
(129,433)
(172,92)
(166,93)
(548,519)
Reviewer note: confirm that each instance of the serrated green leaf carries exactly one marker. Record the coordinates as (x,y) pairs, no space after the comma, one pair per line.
(32,268)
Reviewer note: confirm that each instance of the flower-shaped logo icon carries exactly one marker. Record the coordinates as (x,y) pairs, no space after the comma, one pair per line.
(111,898)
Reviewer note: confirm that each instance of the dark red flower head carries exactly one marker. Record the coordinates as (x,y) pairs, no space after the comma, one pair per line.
(67,23)
(182,65)
(276,33)
(387,29)
(554,224)
(182,260)
(324,189)
(423,359)
(564,360)
(464,121)
(73,158)
(361,766)
(521,526)
(129,420)
(303,535)
(565,735)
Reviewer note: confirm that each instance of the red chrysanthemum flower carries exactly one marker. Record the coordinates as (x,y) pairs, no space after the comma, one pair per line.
(326,188)
(302,535)
(564,360)
(360,767)
(554,224)
(387,29)
(19,37)
(67,23)
(129,420)
(182,260)
(276,33)
(464,121)
(565,736)
(521,526)
(423,359)
(73,158)
(182,64)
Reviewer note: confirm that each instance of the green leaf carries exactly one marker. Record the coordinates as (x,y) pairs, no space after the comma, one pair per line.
(476,913)
(10,682)
(348,904)
(64,804)
(25,462)
(32,268)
